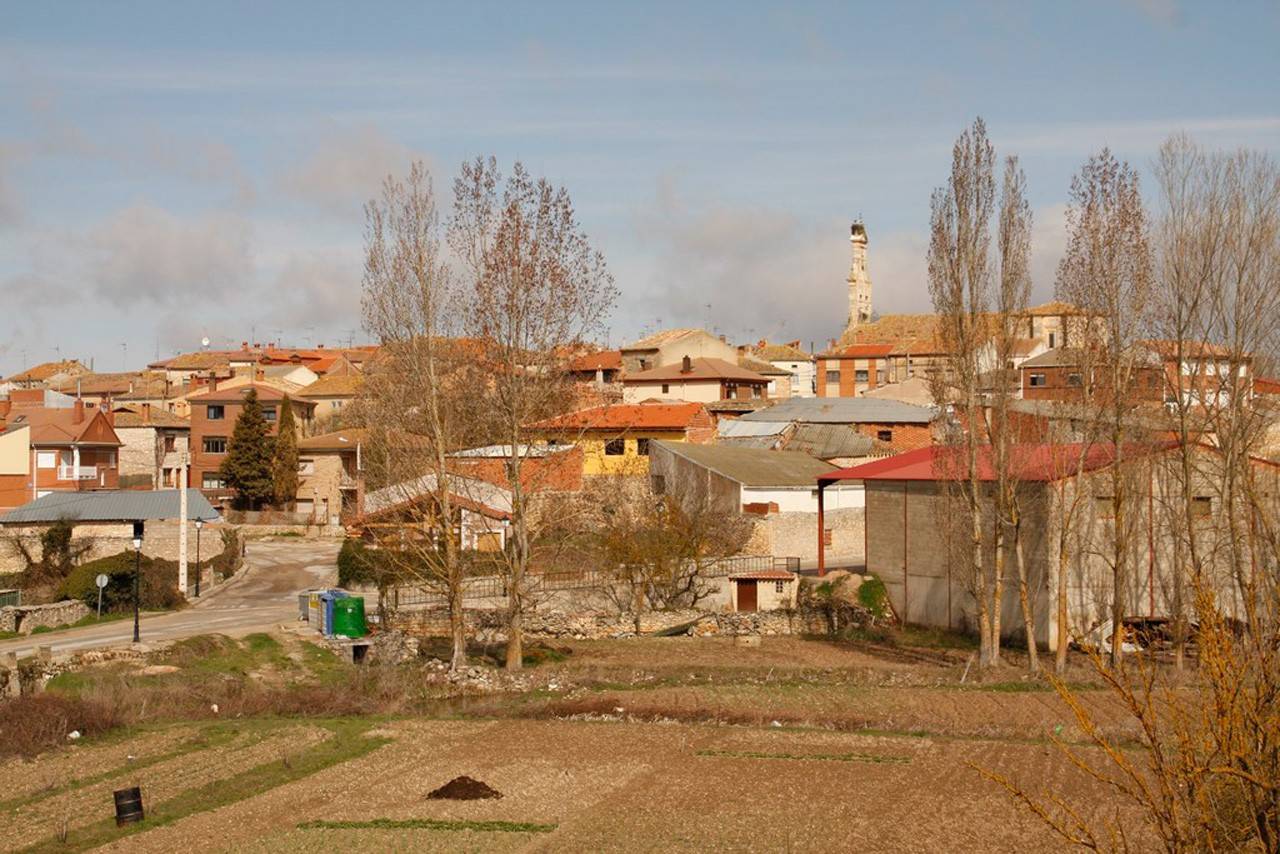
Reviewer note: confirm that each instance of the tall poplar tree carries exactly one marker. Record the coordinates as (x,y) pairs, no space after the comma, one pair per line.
(285,465)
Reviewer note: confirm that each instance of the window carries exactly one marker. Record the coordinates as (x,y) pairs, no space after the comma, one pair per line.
(269,413)
(778,586)
(46,459)
(1036,380)
(666,388)
(1073,380)
(337,404)
(826,536)
(757,392)
(306,467)
(170,444)
(215,412)
(1202,507)
(833,376)
(884,435)
(215,444)
(615,447)
(1053,339)
(212,481)
(642,447)
(861,376)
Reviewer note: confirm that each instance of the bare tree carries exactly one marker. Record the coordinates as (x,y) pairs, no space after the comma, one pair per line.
(536,289)
(960,283)
(1106,271)
(414,391)
(1013,243)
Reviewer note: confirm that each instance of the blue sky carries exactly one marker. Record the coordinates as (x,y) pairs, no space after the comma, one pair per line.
(173,170)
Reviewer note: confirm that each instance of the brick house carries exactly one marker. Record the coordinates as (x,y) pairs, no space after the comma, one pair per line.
(331,476)
(1058,374)
(54,443)
(545,468)
(696,380)
(894,425)
(853,370)
(213,419)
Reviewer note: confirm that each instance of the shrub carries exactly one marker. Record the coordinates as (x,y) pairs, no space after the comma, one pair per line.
(158,588)
(873,596)
(229,560)
(358,564)
(34,723)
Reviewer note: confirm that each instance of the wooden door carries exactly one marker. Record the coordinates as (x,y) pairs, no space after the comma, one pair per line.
(746,595)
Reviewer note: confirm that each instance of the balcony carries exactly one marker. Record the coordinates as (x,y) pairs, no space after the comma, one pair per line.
(77,472)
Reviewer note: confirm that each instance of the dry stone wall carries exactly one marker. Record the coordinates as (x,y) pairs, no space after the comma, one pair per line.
(25,619)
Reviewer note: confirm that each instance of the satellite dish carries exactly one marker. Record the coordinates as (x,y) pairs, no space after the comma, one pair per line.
(204,342)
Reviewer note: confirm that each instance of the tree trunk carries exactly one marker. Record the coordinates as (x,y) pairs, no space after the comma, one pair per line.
(1060,655)
(1024,599)
(457,628)
(997,585)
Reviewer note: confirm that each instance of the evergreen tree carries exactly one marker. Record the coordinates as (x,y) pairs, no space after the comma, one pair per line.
(247,467)
(285,467)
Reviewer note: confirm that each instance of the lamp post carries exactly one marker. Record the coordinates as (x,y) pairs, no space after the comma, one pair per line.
(137,575)
(199,525)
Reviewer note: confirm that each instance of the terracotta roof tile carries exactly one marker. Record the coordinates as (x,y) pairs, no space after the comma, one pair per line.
(701,369)
(335,385)
(627,416)
(605,360)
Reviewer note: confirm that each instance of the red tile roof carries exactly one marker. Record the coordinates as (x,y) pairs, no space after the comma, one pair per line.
(861,351)
(627,416)
(605,360)
(236,393)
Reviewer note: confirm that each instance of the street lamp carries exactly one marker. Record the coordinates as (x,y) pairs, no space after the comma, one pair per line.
(199,525)
(137,574)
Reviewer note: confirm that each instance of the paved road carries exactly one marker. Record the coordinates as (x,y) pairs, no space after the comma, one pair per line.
(263,595)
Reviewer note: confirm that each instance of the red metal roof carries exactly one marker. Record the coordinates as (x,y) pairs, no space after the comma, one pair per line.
(1032,462)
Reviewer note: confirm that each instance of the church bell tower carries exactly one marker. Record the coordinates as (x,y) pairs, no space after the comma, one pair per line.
(859,279)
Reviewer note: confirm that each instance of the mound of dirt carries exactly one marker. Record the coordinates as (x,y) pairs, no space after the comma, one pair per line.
(464,789)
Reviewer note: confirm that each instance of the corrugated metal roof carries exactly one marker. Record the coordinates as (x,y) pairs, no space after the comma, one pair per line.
(751,466)
(110,506)
(843,410)
(830,441)
(736,428)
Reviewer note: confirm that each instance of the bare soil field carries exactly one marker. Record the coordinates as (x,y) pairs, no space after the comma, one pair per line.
(647,745)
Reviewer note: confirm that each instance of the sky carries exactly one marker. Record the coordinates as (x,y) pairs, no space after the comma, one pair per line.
(171,171)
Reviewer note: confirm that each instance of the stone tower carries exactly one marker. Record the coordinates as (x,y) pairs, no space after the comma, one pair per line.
(859,278)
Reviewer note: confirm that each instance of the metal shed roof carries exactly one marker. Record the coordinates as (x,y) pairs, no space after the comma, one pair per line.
(843,410)
(751,466)
(110,506)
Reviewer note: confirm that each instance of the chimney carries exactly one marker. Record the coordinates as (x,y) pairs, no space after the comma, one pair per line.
(146,413)
(77,416)
(724,339)
(686,365)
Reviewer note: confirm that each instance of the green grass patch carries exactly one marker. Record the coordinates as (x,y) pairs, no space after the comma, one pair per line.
(221,655)
(430,824)
(821,757)
(348,742)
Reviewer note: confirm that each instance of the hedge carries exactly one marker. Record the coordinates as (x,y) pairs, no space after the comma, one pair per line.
(158,586)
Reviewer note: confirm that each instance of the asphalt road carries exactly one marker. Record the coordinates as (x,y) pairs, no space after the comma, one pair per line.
(261,596)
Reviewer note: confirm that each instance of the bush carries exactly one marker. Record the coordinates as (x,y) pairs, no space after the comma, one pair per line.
(229,560)
(359,564)
(34,723)
(873,596)
(158,589)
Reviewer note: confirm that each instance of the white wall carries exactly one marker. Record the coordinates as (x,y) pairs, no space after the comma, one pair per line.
(805,499)
(697,391)
(802,379)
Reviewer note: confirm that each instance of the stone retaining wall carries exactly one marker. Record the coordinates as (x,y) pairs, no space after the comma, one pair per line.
(24,619)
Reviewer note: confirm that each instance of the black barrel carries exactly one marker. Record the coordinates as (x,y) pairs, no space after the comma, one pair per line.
(128,805)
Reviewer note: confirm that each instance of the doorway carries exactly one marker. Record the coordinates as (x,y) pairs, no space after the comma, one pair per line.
(746,594)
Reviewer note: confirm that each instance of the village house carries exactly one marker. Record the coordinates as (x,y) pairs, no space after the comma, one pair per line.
(213,418)
(543,467)
(332,394)
(602,368)
(481,513)
(853,370)
(696,380)
(152,444)
(54,443)
(671,346)
(798,365)
(331,480)
(910,521)
(615,439)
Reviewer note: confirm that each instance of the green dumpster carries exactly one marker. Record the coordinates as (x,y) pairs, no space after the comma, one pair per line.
(348,617)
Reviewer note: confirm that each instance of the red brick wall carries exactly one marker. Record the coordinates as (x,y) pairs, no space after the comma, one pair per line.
(906,437)
(560,472)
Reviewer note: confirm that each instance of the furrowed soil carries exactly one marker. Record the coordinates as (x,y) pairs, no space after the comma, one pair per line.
(671,744)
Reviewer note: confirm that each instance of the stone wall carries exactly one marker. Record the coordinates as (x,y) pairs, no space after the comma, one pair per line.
(25,619)
(795,534)
(489,626)
(159,540)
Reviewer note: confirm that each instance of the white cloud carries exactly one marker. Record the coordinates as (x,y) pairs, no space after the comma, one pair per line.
(145,252)
(347,169)
(763,272)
